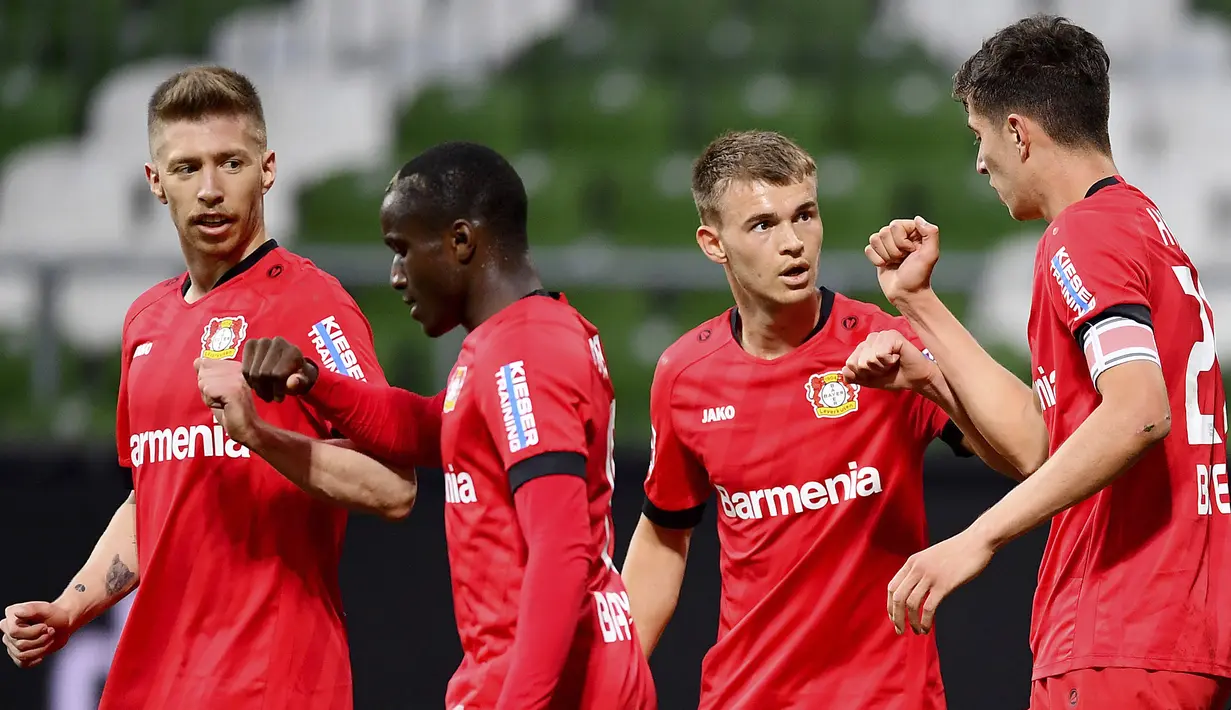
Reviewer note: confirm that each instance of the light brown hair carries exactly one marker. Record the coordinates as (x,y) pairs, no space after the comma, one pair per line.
(205,92)
(756,156)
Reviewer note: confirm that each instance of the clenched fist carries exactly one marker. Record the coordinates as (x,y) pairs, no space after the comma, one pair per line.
(274,368)
(904,252)
(224,391)
(34,630)
(887,360)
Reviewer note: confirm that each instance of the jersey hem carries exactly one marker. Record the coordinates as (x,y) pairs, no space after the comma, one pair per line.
(1172,665)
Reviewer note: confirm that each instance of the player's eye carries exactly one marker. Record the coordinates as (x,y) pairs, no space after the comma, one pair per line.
(232,164)
(804,217)
(761,226)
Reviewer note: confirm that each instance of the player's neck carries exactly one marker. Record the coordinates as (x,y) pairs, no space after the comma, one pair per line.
(1071,179)
(770,331)
(498,289)
(204,270)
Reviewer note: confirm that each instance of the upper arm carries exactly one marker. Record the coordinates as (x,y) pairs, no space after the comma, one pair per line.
(537,402)
(676,485)
(406,472)
(1137,386)
(123,430)
(1096,264)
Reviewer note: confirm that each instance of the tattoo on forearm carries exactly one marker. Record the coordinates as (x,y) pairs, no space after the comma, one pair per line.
(80,587)
(119,577)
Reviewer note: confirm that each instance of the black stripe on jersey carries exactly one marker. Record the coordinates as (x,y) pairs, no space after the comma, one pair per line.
(673,519)
(827,298)
(546,464)
(1132,311)
(1105,182)
(248,262)
(952,436)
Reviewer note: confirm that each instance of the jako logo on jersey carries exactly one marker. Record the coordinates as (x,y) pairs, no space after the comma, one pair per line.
(831,395)
(718,414)
(184,443)
(515,406)
(1075,294)
(334,349)
(1045,388)
(459,487)
(222,337)
(142,350)
(928,354)
(813,495)
(456,380)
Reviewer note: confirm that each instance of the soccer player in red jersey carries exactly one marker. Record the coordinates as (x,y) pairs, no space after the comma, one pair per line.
(819,481)
(236,570)
(1133,606)
(524,432)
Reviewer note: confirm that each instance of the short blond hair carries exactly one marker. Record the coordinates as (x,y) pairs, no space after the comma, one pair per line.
(755,156)
(205,92)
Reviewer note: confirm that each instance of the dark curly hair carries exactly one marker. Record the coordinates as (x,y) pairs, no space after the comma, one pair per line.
(1048,69)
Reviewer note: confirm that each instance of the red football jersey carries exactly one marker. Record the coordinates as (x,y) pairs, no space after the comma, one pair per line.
(530,396)
(1139,575)
(821,494)
(238,604)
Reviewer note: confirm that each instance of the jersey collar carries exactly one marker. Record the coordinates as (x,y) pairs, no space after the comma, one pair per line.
(248,262)
(1105,182)
(737,325)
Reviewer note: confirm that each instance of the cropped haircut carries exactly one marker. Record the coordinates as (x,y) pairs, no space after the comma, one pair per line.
(753,156)
(1048,69)
(460,180)
(206,92)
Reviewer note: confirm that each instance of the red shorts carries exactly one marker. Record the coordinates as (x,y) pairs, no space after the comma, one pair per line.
(1129,689)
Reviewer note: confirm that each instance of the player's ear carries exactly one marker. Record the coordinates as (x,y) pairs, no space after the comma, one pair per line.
(461,241)
(269,170)
(1019,133)
(711,245)
(155,181)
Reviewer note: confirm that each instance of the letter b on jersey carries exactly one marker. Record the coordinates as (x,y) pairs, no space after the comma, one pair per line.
(1212,480)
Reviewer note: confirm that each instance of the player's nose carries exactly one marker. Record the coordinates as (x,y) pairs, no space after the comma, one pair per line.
(397,274)
(210,191)
(791,244)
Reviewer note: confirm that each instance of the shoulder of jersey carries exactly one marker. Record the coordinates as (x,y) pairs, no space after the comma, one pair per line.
(284,269)
(154,294)
(1122,206)
(697,343)
(860,317)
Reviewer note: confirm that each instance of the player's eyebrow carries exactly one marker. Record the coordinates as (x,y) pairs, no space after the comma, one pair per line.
(808,206)
(760,217)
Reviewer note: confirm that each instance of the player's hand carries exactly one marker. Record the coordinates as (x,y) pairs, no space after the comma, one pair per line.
(274,368)
(888,361)
(224,391)
(931,575)
(904,253)
(34,630)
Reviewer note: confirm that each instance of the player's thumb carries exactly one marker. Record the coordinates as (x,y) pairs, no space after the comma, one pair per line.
(297,383)
(926,228)
(31,612)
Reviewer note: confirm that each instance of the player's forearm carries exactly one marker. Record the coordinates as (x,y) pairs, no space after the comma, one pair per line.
(333,471)
(1102,448)
(996,402)
(552,511)
(939,391)
(390,423)
(109,573)
(653,573)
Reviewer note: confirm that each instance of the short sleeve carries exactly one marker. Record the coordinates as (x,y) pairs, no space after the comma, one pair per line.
(676,485)
(329,328)
(123,431)
(536,401)
(1094,266)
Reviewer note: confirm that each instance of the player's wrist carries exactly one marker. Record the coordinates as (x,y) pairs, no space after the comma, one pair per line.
(913,299)
(986,532)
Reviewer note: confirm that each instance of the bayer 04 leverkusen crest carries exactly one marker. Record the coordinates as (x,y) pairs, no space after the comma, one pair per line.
(222,337)
(831,395)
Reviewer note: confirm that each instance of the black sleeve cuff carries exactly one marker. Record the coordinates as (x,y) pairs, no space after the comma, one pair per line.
(952,436)
(674,519)
(546,464)
(1132,311)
